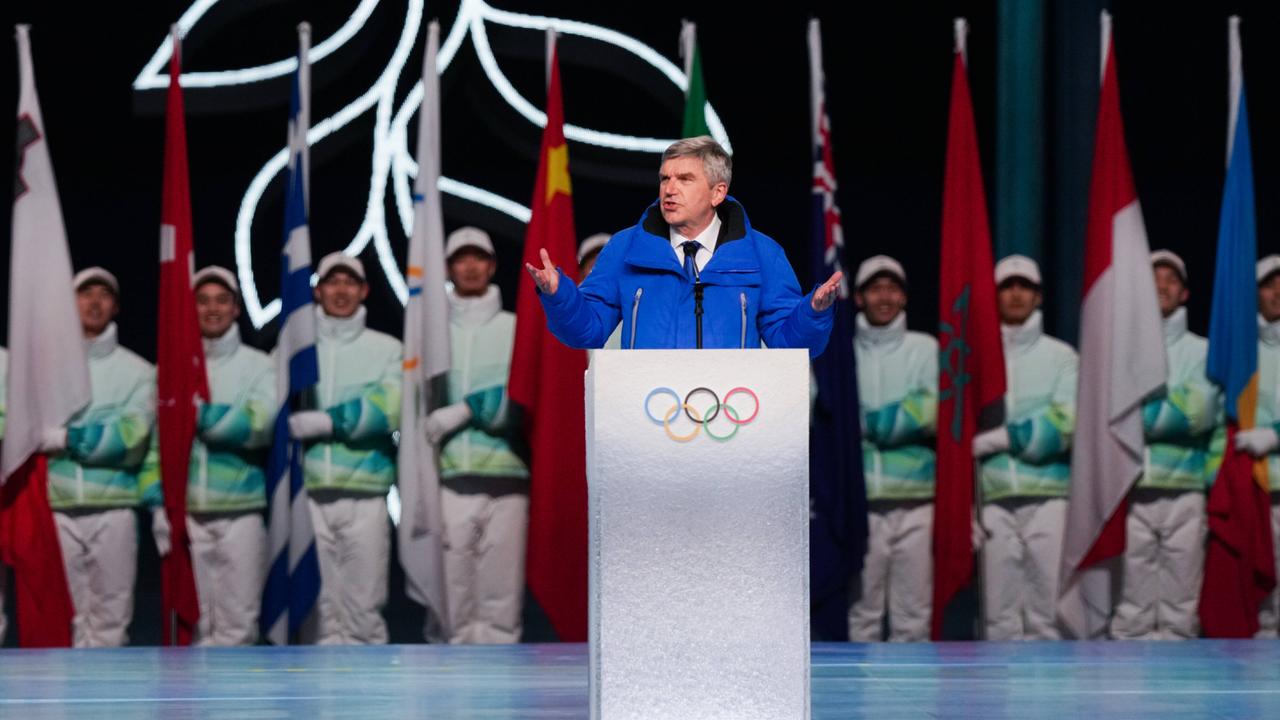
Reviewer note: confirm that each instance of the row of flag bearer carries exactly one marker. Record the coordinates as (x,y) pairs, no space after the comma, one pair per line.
(107,458)
(103,464)
(1025,464)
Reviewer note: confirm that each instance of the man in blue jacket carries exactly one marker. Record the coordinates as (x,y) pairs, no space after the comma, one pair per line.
(693,250)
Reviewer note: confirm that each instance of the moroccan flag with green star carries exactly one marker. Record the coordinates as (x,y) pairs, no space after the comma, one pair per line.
(971,382)
(695,98)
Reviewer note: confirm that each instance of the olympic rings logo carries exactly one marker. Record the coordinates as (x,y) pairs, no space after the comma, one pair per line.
(701,419)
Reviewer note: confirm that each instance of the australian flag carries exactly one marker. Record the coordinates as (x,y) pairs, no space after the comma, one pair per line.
(837,490)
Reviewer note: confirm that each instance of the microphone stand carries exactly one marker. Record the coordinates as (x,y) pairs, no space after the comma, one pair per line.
(698,309)
(697,304)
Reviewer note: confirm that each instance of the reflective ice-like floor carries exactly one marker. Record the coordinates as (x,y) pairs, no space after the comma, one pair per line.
(1202,679)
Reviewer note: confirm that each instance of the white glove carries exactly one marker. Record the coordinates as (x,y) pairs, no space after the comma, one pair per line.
(310,424)
(1258,442)
(977,534)
(446,421)
(161,531)
(54,440)
(991,442)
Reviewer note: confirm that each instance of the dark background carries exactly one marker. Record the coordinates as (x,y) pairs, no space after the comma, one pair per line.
(888,75)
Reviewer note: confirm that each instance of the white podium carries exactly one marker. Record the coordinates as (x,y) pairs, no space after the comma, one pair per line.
(699,554)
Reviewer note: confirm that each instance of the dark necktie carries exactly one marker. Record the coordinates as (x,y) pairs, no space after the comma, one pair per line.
(690,248)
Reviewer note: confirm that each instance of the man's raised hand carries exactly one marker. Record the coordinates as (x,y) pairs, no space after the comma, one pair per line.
(825,296)
(547,278)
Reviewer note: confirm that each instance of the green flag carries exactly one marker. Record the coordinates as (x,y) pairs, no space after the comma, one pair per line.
(695,102)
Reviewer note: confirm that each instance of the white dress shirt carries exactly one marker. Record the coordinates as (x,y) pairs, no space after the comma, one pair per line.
(707,239)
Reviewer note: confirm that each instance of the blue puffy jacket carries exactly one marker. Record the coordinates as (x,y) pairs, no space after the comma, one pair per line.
(750,292)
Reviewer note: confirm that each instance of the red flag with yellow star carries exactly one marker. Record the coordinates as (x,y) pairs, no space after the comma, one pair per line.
(547,381)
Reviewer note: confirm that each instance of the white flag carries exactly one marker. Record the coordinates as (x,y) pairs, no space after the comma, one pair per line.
(1122,362)
(48,378)
(426,357)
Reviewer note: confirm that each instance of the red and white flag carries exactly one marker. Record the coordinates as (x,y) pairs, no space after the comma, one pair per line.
(48,379)
(181,378)
(1122,362)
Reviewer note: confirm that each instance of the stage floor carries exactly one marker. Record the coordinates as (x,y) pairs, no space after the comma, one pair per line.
(1201,679)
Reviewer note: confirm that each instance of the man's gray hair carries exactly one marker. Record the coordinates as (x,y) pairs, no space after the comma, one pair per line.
(716,163)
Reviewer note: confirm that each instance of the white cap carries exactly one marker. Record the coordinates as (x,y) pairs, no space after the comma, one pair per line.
(592,244)
(335,260)
(468,237)
(215,273)
(1018,266)
(1170,258)
(96,274)
(1268,265)
(876,265)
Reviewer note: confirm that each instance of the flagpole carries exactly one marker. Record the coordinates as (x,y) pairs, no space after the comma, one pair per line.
(1105,24)
(304,107)
(173,610)
(688,36)
(551,51)
(306,398)
(1235,81)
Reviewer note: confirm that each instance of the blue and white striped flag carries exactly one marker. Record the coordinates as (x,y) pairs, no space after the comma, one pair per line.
(293,579)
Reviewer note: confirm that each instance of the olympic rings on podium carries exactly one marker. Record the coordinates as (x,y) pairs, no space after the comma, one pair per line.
(747,391)
(711,415)
(666,424)
(732,416)
(701,419)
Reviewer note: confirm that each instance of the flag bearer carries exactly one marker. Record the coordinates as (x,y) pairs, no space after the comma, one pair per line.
(898,390)
(1026,464)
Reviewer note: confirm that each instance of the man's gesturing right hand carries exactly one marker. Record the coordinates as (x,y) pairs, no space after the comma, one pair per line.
(547,278)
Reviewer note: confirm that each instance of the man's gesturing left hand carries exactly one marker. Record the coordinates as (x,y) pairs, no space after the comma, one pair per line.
(825,296)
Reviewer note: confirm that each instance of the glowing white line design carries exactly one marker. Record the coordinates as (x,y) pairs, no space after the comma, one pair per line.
(390,137)
(477,11)
(152,76)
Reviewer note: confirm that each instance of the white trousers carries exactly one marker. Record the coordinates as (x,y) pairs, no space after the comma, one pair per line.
(229,554)
(897,574)
(1163,567)
(353,541)
(1269,614)
(484,557)
(1020,568)
(100,554)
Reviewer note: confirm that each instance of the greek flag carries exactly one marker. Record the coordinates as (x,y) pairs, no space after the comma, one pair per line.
(293,579)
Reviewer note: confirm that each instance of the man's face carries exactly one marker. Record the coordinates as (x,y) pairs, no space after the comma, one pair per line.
(881,300)
(1170,290)
(1269,297)
(470,271)
(1016,299)
(340,293)
(687,199)
(216,309)
(97,306)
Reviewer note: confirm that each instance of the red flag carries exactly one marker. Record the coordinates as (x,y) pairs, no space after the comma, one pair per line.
(29,544)
(971,382)
(1239,567)
(547,380)
(1122,362)
(180,368)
